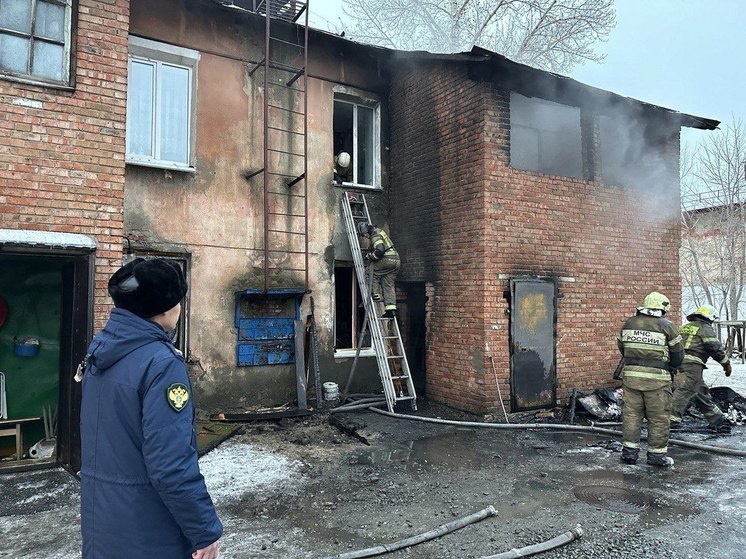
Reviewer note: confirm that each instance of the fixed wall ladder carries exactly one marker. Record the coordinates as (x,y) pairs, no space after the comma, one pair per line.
(285,123)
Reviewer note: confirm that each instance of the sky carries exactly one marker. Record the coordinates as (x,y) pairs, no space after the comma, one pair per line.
(686,55)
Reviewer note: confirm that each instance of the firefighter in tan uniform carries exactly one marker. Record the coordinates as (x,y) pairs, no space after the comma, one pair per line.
(386,263)
(700,343)
(652,348)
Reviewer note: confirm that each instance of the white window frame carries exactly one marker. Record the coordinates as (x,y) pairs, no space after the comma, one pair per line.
(354,310)
(358,101)
(68,40)
(158,55)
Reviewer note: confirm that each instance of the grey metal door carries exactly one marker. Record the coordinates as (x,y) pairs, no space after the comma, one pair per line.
(532,343)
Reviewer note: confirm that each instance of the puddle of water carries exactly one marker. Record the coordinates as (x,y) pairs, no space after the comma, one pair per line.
(457,450)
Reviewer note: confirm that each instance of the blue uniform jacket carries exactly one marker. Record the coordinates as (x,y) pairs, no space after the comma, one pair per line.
(142,494)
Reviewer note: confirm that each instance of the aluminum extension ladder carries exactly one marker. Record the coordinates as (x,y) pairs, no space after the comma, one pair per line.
(393,367)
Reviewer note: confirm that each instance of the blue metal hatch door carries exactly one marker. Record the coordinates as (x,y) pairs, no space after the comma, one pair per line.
(266,326)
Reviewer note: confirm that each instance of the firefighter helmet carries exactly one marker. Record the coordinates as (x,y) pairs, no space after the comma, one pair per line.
(657,301)
(706,312)
(363,227)
(343,159)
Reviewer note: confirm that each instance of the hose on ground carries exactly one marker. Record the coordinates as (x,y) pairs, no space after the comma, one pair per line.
(553,426)
(441,530)
(562,539)
(358,405)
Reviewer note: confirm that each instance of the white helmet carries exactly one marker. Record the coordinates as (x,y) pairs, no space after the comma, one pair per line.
(343,159)
(707,312)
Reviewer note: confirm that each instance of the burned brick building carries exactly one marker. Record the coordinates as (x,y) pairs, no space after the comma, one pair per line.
(532,212)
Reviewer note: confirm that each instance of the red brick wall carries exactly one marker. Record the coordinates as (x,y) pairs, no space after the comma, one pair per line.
(438,220)
(466,221)
(62,158)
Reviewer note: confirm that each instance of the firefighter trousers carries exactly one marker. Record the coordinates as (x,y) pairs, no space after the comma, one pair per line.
(653,405)
(690,387)
(384,280)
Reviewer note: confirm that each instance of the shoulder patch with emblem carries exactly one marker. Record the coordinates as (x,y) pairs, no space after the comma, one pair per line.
(177,396)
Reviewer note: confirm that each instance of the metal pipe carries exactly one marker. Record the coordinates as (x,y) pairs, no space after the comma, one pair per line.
(441,530)
(356,406)
(499,392)
(562,539)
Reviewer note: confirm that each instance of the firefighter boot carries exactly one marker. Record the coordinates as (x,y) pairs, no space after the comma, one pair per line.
(721,425)
(660,460)
(629,455)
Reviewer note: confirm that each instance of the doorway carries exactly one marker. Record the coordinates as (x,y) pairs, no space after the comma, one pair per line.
(533,316)
(44,333)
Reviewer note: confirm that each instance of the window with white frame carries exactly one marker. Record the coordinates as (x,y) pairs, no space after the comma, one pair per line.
(545,136)
(35,40)
(357,125)
(160,104)
(349,315)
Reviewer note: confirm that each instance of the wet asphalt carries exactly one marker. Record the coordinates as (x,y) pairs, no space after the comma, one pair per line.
(414,476)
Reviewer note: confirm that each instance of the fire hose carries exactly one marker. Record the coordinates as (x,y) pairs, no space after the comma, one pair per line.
(528,426)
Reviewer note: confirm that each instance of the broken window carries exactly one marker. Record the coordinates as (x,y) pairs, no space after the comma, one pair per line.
(348,312)
(545,137)
(160,100)
(630,157)
(35,39)
(356,131)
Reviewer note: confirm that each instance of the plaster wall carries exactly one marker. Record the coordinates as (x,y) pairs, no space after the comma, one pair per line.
(216,214)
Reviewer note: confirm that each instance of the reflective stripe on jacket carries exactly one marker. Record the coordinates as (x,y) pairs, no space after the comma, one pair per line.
(701,343)
(651,346)
(381,244)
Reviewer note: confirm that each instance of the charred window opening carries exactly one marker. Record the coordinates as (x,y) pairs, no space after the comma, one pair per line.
(348,314)
(631,152)
(356,132)
(545,137)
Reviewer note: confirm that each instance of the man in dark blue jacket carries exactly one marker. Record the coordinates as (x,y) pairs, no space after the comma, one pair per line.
(142,494)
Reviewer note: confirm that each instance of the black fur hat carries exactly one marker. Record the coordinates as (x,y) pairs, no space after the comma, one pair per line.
(148,287)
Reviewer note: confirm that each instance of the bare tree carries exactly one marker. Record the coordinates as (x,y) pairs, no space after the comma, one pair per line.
(713,249)
(550,34)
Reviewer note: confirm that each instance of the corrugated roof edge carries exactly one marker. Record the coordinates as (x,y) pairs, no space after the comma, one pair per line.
(478,55)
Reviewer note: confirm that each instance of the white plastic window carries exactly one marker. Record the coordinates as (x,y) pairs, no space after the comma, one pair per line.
(160,105)
(357,124)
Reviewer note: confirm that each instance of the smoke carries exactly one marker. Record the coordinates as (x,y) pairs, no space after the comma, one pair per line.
(635,154)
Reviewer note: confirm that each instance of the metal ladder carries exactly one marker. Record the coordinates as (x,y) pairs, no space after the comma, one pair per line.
(393,367)
(285,123)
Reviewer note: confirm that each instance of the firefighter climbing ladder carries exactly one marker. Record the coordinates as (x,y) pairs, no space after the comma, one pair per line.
(393,367)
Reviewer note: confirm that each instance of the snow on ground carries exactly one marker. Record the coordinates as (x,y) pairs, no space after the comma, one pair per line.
(236,468)
(714,376)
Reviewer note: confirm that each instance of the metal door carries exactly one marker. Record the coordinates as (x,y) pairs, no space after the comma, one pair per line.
(532,343)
